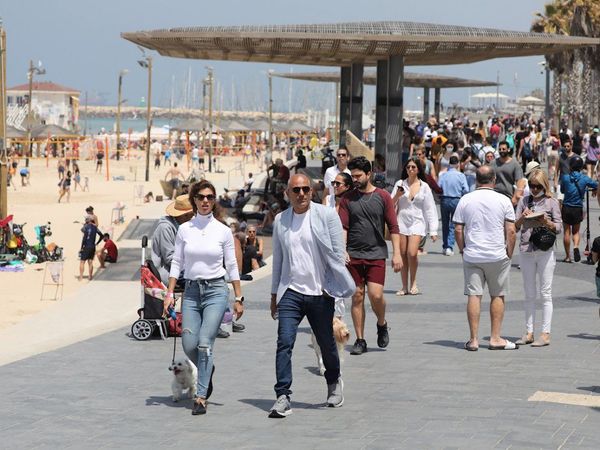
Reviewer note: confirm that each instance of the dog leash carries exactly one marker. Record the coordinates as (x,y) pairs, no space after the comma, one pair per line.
(174,344)
(174,335)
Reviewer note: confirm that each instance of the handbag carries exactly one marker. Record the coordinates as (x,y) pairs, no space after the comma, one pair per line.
(541,237)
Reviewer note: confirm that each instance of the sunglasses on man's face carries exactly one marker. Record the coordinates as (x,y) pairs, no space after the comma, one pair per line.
(342,155)
(209,197)
(304,189)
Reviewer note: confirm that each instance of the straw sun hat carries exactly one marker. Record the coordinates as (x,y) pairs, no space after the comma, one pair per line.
(180,206)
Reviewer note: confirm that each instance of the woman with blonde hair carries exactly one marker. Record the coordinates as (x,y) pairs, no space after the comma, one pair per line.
(538,219)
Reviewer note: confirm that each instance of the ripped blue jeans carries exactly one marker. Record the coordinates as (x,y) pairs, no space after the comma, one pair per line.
(204,303)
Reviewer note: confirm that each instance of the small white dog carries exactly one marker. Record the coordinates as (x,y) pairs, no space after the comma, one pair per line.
(185,376)
(341,335)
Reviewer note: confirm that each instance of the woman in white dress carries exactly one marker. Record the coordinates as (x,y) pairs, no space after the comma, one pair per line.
(417,215)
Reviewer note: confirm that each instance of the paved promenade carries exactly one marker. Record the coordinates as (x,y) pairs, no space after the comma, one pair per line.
(423,391)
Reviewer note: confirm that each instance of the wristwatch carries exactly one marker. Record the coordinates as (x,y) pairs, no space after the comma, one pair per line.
(240,299)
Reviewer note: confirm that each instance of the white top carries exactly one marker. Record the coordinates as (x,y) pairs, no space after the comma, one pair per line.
(195,153)
(419,215)
(330,200)
(330,175)
(483,213)
(201,246)
(306,268)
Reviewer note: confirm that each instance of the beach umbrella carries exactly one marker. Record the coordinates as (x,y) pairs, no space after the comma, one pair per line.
(232,125)
(43,131)
(256,125)
(489,95)
(530,100)
(14,133)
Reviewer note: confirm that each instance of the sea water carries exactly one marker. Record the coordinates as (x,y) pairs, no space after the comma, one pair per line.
(109,124)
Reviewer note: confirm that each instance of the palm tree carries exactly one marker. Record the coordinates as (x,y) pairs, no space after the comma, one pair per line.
(574,18)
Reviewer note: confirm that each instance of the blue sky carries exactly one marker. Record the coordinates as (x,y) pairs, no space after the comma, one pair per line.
(80,46)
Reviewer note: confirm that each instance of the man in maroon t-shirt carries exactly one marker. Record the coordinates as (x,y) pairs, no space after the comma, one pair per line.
(364,213)
(108,253)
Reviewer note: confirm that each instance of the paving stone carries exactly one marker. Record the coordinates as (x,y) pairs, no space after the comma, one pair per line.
(423,391)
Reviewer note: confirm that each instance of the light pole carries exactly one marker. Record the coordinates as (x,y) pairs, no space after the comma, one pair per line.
(146,63)
(210,124)
(270,142)
(3,150)
(32,71)
(122,73)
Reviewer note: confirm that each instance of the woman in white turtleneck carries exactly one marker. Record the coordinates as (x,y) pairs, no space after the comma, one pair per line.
(201,246)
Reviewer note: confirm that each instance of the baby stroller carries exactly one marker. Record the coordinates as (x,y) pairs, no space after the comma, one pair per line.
(151,311)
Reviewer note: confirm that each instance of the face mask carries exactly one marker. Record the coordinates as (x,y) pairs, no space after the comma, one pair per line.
(538,194)
(449,149)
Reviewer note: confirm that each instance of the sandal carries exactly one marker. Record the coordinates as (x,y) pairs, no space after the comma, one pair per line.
(542,341)
(526,339)
(415,291)
(470,348)
(401,292)
(567,260)
(507,346)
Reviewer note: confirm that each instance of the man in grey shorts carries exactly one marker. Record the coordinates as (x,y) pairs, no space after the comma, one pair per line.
(485,235)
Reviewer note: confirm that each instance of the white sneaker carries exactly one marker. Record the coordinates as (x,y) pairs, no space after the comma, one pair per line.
(448,252)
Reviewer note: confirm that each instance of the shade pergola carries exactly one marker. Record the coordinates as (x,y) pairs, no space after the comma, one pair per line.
(414,80)
(388,45)
(341,44)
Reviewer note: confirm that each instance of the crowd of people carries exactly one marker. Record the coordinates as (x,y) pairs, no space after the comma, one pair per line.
(329,246)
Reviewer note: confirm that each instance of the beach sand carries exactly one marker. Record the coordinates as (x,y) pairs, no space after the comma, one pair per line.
(20,293)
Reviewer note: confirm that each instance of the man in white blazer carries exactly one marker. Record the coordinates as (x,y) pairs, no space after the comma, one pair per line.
(309,270)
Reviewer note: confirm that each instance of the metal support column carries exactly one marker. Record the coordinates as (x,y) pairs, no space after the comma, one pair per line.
(437,104)
(351,101)
(425,105)
(356,101)
(395,110)
(345,99)
(381,107)
(547,98)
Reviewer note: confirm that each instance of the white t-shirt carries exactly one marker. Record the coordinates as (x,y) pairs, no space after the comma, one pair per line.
(330,175)
(483,213)
(307,268)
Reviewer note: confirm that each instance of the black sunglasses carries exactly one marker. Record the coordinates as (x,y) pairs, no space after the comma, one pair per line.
(297,189)
(209,197)
(342,155)
(536,186)
(337,183)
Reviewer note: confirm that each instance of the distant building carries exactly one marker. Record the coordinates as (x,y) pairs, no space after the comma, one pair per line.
(52,104)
